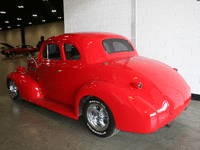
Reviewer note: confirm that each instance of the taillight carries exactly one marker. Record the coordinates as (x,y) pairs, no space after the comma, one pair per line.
(136,85)
(175,69)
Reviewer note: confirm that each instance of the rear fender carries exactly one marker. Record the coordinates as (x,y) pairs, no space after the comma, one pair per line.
(127,109)
(27,86)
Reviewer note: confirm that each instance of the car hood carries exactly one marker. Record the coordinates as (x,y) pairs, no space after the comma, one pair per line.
(168,82)
(9,46)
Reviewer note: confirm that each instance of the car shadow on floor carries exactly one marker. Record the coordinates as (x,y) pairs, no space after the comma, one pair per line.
(27,112)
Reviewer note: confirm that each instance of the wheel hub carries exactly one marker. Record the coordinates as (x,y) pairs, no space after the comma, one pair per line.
(98,117)
(13,89)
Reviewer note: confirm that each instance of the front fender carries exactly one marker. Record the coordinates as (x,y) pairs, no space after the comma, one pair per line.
(27,86)
(131,113)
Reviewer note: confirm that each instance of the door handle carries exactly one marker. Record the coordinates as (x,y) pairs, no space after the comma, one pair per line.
(58,71)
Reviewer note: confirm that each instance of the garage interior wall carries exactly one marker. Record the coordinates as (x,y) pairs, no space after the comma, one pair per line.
(169,31)
(13,36)
(32,33)
(98,15)
(2,38)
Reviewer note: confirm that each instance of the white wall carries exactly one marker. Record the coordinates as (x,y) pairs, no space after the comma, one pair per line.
(169,31)
(98,15)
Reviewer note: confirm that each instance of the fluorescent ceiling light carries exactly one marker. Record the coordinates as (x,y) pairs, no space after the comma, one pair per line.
(20,6)
(34,15)
(2,12)
(6,21)
(19,18)
(53,10)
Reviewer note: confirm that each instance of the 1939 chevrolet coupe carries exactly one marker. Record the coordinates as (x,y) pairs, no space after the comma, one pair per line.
(101,76)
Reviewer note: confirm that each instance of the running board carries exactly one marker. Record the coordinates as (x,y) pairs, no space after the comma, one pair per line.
(61,108)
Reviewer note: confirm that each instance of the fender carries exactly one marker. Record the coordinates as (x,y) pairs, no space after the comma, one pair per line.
(131,113)
(27,86)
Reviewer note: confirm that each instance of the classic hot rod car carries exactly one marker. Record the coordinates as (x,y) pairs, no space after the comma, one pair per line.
(101,76)
(19,49)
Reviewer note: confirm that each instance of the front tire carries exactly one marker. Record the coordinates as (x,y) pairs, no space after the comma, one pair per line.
(13,54)
(32,52)
(98,118)
(13,90)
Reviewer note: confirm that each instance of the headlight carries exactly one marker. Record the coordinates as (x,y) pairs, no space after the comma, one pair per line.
(7,51)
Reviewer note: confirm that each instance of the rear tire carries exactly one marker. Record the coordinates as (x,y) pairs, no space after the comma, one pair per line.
(99,118)
(13,90)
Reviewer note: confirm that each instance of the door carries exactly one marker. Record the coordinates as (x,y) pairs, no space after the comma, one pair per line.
(50,72)
(20,49)
(74,77)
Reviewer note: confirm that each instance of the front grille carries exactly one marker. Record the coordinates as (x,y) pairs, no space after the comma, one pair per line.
(3,52)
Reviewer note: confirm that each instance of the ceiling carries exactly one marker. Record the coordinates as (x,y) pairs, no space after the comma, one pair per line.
(23,13)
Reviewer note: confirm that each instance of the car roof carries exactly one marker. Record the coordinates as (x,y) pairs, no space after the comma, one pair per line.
(85,35)
(90,45)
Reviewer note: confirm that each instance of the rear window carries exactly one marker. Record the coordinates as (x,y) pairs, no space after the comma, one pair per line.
(116,45)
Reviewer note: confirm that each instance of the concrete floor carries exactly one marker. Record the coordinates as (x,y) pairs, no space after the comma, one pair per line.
(25,126)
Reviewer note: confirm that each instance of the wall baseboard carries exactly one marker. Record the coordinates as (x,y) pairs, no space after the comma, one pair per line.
(195,97)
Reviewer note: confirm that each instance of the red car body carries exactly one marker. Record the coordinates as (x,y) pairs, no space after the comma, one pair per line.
(142,94)
(20,49)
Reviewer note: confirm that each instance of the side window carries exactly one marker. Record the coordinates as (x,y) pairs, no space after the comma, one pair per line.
(71,52)
(51,51)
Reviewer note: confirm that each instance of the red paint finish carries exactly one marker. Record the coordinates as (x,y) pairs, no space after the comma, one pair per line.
(143,94)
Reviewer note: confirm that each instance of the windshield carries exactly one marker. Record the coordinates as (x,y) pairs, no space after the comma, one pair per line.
(116,45)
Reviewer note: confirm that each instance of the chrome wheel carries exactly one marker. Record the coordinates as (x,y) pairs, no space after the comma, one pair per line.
(13,90)
(98,117)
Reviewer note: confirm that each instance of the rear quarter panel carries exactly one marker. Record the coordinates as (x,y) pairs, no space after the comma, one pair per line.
(130,113)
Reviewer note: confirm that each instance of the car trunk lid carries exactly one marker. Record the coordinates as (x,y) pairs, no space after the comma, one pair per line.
(168,81)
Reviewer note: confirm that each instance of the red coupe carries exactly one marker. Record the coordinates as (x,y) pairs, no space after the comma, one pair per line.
(20,49)
(101,76)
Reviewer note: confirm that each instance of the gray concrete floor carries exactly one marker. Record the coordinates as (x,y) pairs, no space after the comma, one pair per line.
(25,126)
